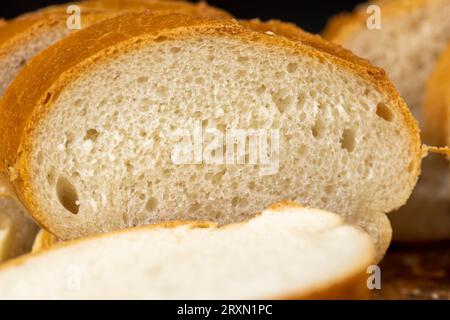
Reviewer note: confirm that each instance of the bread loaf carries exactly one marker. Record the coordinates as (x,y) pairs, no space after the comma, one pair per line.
(87,160)
(23,38)
(407,42)
(287,252)
(437,102)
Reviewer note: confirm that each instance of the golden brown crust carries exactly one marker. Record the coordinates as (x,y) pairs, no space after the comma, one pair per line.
(352,286)
(341,27)
(200,9)
(31,94)
(437,102)
(93,11)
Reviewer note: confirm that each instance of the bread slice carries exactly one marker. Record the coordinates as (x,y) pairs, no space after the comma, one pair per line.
(286,252)
(24,37)
(412,35)
(87,160)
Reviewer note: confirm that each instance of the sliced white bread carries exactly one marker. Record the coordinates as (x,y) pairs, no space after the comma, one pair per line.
(89,146)
(413,33)
(24,37)
(287,252)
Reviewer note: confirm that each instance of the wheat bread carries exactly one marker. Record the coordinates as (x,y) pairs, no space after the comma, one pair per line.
(412,35)
(348,142)
(287,252)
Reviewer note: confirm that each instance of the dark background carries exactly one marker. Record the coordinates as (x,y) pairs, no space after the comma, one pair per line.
(310,15)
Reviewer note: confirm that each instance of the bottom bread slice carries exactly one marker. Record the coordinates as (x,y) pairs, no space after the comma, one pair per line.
(285,252)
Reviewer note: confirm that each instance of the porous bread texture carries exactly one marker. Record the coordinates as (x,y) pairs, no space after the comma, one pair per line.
(95,137)
(376,224)
(31,33)
(412,35)
(286,252)
(17,231)
(437,102)
(25,37)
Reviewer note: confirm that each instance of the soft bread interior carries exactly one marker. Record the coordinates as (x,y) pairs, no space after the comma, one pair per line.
(102,157)
(412,36)
(286,252)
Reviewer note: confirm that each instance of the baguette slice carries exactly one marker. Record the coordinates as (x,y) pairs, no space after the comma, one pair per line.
(286,252)
(29,34)
(89,148)
(24,37)
(412,35)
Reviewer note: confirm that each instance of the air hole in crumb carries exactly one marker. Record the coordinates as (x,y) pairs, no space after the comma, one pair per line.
(411,167)
(318,129)
(160,39)
(194,208)
(243,59)
(384,112)
(51,178)
(348,140)
(281,101)
(175,49)
(292,67)
(142,79)
(67,195)
(261,89)
(47,97)
(235,201)
(200,80)
(151,204)
(92,135)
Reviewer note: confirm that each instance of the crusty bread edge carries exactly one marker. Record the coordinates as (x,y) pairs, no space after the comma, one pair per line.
(350,286)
